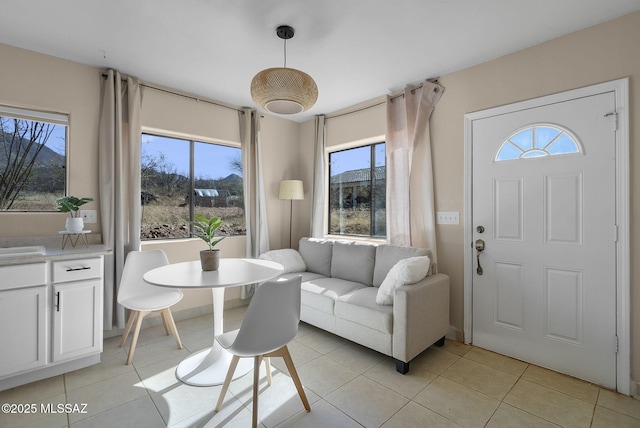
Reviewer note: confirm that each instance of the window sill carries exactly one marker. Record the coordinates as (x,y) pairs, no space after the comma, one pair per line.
(357,239)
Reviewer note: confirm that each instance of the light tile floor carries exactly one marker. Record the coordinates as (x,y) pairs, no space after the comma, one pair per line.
(347,385)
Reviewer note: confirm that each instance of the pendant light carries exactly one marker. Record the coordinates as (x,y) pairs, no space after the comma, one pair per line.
(284,90)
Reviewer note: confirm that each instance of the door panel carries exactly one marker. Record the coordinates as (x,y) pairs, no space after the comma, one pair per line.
(547,293)
(563,209)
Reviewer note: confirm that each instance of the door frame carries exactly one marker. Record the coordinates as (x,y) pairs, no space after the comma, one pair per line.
(620,87)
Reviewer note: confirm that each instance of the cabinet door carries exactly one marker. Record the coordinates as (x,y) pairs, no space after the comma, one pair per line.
(77,319)
(23,332)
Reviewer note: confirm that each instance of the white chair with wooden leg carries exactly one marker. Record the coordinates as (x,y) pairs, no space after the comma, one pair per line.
(142,298)
(271,321)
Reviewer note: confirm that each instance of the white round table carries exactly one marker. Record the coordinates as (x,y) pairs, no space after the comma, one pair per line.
(209,366)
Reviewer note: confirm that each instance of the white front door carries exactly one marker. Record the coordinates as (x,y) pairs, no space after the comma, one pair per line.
(544,191)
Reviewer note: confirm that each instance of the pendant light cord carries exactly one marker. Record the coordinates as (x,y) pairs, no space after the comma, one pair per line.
(285,53)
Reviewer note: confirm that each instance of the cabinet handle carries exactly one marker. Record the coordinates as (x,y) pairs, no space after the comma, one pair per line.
(80,268)
(58,301)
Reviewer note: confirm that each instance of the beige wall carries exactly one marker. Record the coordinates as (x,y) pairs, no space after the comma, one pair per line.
(601,53)
(42,82)
(598,54)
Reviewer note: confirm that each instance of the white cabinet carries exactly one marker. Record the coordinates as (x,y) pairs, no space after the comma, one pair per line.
(23,317)
(50,318)
(77,308)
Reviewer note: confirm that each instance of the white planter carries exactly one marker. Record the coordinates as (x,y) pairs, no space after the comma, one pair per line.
(74,224)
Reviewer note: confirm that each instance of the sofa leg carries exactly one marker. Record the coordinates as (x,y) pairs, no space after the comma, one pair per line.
(402,367)
(440,342)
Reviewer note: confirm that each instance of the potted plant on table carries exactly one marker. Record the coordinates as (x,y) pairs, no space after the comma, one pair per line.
(71,205)
(205,229)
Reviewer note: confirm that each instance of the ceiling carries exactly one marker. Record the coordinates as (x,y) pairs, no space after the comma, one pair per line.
(356,50)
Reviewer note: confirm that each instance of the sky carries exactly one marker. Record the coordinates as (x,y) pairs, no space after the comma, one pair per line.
(357,158)
(212,161)
(56,141)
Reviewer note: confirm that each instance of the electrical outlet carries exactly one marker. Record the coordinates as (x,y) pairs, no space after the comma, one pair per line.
(89,216)
(448,217)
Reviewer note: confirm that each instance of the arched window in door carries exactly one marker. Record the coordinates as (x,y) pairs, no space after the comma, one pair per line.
(538,141)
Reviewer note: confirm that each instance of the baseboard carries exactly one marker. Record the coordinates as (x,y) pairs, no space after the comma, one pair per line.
(181,315)
(634,389)
(455,334)
(48,371)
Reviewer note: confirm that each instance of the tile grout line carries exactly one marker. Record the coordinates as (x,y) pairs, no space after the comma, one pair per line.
(147,390)
(593,413)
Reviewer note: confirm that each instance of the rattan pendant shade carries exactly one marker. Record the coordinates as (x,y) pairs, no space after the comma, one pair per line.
(284,90)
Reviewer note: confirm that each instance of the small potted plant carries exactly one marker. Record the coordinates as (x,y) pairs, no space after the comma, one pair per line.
(205,229)
(71,205)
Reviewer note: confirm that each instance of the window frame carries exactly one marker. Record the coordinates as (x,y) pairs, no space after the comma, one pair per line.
(43,116)
(192,140)
(371,143)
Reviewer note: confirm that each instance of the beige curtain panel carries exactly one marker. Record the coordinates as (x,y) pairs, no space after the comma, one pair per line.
(257,236)
(119,183)
(410,198)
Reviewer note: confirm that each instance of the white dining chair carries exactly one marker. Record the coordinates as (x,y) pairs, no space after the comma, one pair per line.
(142,298)
(270,323)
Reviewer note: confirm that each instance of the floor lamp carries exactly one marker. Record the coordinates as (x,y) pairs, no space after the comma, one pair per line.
(290,190)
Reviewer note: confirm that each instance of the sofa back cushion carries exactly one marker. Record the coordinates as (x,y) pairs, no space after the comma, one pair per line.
(317,255)
(353,261)
(388,255)
(290,259)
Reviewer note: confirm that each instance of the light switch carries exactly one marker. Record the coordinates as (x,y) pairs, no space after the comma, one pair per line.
(448,217)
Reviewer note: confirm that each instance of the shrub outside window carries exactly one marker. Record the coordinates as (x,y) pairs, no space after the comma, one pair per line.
(33,147)
(357,191)
(181,177)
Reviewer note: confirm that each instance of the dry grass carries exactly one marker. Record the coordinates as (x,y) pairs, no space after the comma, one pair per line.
(168,218)
(35,201)
(355,221)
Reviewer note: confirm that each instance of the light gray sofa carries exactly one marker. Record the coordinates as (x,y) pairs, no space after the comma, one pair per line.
(340,282)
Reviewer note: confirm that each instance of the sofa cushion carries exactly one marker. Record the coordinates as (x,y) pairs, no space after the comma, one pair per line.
(359,306)
(317,255)
(353,261)
(388,255)
(406,271)
(322,292)
(290,259)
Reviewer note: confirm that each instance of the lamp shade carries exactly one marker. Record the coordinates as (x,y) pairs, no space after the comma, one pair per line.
(284,90)
(291,189)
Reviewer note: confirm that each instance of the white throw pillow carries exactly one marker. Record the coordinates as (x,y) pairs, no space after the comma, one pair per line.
(405,272)
(289,258)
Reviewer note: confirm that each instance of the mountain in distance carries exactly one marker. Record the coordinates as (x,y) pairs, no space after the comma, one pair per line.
(231,179)
(45,157)
(47,174)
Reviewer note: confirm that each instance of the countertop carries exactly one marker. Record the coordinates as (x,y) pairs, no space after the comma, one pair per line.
(53,249)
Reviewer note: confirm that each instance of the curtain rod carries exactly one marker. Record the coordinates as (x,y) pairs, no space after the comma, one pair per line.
(432,80)
(393,97)
(147,85)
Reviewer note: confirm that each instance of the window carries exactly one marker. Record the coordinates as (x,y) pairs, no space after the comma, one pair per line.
(357,191)
(180,178)
(537,141)
(33,147)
